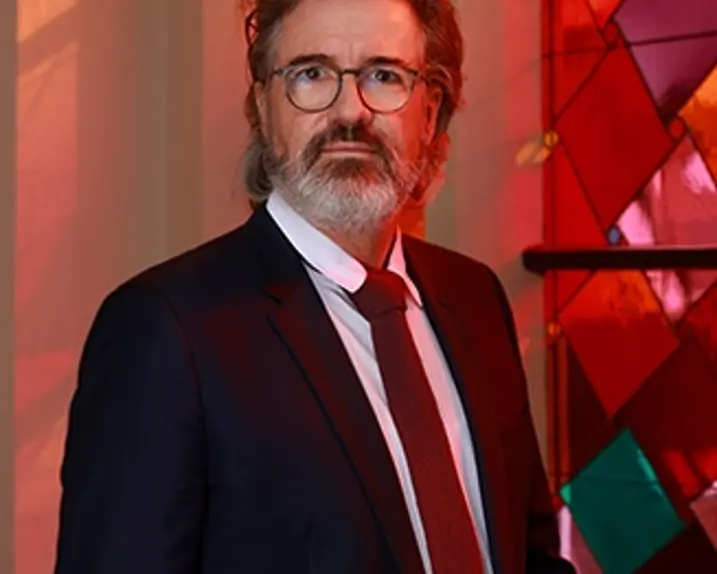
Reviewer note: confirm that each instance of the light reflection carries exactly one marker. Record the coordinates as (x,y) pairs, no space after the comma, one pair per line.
(677,207)
(32,15)
(705,509)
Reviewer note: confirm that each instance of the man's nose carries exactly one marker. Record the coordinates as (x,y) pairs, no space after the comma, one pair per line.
(349,107)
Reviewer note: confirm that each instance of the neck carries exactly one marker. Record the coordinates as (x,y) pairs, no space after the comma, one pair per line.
(371,249)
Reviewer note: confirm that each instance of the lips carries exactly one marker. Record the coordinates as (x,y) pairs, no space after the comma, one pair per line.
(348,147)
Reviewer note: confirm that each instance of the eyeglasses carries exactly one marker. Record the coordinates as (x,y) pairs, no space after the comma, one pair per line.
(315,86)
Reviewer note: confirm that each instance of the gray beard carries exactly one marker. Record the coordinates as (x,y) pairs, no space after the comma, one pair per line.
(350,195)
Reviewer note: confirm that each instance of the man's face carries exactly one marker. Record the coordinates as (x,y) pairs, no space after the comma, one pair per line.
(348,168)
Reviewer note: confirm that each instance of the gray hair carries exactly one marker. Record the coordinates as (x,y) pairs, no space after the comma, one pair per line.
(444,60)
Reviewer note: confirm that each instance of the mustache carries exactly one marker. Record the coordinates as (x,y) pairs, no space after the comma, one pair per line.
(345,133)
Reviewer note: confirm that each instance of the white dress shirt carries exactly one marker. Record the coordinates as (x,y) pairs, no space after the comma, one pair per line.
(334,272)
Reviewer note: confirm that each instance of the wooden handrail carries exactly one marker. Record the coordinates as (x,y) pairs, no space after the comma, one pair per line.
(541,258)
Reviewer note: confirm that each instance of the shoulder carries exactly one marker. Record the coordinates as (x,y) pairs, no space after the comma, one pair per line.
(200,267)
(452,266)
(206,276)
(464,281)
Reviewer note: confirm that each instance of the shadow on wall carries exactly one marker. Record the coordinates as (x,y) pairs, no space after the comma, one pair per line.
(129,127)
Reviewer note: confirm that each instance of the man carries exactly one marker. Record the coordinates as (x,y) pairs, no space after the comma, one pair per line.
(314,392)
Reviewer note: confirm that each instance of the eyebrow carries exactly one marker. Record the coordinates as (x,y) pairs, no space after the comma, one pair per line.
(329,60)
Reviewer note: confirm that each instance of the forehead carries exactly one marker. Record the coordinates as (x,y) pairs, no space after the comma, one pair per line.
(351,31)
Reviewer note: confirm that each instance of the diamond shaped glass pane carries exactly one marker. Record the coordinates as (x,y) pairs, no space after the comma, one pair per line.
(603,9)
(689,553)
(646,20)
(613,122)
(571,26)
(673,418)
(678,206)
(584,427)
(619,333)
(621,508)
(701,323)
(674,70)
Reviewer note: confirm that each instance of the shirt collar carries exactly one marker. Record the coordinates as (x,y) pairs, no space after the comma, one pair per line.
(327,257)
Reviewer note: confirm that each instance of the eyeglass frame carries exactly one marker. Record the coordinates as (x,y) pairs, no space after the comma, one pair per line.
(341,72)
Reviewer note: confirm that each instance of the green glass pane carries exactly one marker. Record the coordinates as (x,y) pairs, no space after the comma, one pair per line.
(620,507)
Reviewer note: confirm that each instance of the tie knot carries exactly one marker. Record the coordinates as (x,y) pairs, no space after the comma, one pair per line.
(382,292)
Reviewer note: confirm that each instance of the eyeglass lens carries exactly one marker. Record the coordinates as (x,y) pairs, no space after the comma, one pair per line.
(314,87)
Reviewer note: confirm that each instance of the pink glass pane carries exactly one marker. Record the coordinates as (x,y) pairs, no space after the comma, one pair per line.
(705,509)
(678,206)
(573,546)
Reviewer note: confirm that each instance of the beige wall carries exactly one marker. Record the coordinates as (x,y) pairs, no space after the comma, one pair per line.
(7,232)
(491,208)
(129,129)
(111,151)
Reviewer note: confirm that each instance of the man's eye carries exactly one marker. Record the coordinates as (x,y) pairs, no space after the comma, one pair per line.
(385,76)
(310,73)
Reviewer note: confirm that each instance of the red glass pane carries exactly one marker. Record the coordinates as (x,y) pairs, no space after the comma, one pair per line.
(570,26)
(701,323)
(603,9)
(618,332)
(570,220)
(673,419)
(689,553)
(574,47)
(584,427)
(613,135)
(567,283)
(569,71)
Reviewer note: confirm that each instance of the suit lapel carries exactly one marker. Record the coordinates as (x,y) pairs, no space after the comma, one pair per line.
(468,353)
(304,325)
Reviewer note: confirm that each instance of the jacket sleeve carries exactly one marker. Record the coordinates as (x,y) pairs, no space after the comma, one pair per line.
(543,542)
(133,474)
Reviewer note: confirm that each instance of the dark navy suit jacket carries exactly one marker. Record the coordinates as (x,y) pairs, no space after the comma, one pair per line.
(218,426)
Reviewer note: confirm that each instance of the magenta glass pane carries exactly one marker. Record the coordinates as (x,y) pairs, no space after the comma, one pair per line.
(643,20)
(674,70)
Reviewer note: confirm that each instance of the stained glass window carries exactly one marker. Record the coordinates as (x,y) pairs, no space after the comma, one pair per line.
(630,111)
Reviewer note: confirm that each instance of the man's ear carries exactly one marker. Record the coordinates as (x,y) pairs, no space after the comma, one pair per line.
(434,99)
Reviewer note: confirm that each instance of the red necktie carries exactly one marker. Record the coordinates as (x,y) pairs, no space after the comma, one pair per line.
(450,533)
